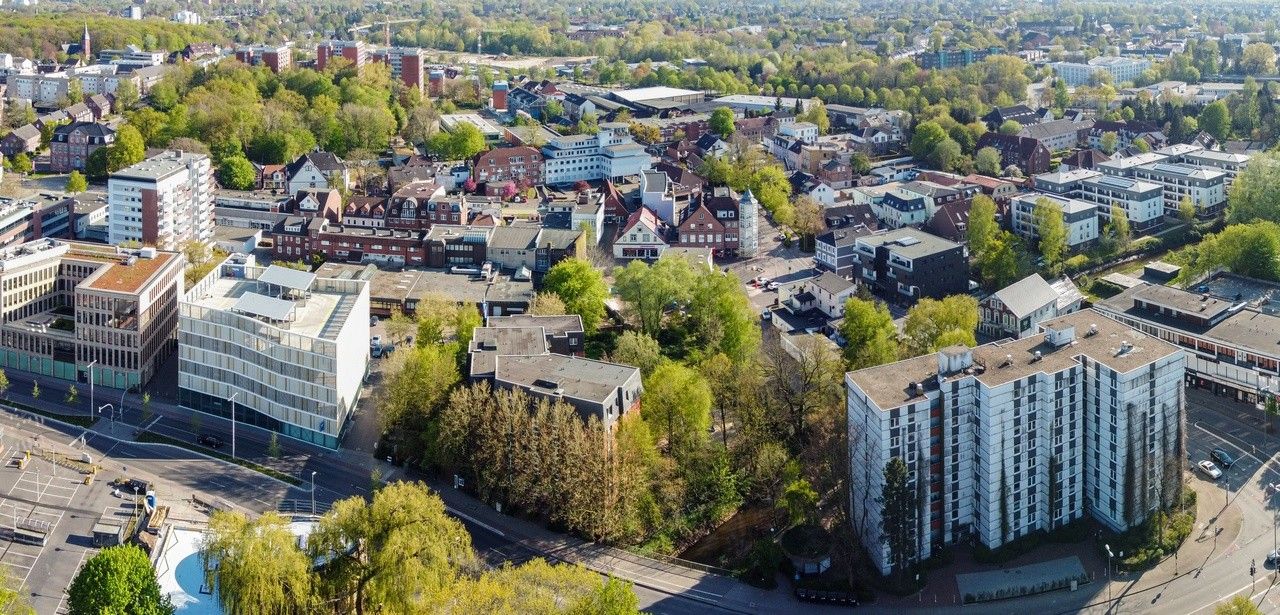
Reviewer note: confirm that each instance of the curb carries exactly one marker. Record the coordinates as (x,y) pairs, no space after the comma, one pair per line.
(88,430)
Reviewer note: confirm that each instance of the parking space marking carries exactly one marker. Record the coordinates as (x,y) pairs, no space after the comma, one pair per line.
(49,491)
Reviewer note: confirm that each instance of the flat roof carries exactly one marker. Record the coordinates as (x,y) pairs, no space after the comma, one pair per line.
(909,242)
(116,276)
(310,317)
(1248,329)
(158,167)
(653,93)
(488,343)
(889,386)
(554,324)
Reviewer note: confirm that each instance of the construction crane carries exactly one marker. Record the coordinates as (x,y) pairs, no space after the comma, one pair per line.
(386,28)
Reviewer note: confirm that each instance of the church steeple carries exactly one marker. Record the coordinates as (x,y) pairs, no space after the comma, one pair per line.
(85,51)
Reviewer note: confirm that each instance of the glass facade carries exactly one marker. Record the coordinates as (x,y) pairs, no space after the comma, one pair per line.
(208,404)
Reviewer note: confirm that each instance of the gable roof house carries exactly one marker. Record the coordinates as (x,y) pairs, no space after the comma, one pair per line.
(1026,153)
(25,138)
(643,236)
(317,169)
(1017,309)
(1021,114)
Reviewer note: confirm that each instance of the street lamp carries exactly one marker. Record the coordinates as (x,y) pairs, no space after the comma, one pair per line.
(233,424)
(111,415)
(1109,556)
(313,493)
(135,501)
(91,379)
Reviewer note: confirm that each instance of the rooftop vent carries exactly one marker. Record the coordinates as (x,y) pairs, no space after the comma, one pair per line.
(1037,357)
(1093,330)
(1008,360)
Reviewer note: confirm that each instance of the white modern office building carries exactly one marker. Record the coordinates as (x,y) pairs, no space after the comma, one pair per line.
(610,153)
(1142,202)
(1205,187)
(1121,70)
(1020,436)
(287,349)
(164,201)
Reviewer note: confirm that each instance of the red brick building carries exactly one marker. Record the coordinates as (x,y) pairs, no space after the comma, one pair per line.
(73,143)
(496,167)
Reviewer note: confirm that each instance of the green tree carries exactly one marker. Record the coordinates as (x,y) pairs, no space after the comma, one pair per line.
(22,163)
(73,395)
(129,149)
(870,336)
(117,581)
(987,161)
(799,500)
(4,385)
(649,290)
(552,110)
(147,411)
(1237,605)
(638,350)
(927,136)
(1215,119)
(1051,232)
(151,124)
(1258,59)
(1109,143)
(273,446)
(816,114)
(1010,127)
(999,263)
(1255,194)
(35,389)
(1061,98)
(127,96)
(237,173)
(391,554)
(900,510)
(260,568)
(76,183)
(678,401)
(547,304)
(722,317)
(537,587)
(983,228)
(399,326)
(1117,230)
(722,122)
(932,324)
(581,287)
(946,156)
(1187,209)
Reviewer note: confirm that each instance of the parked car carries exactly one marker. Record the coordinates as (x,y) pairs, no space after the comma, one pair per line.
(771,286)
(375,342)
(209,441)
(1221,456)
(1209,469)
(1273,557)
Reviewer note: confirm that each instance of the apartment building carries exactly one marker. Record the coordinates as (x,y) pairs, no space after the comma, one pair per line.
(904,265)
(1205,187)
(285,349)
(355,52)
(1118,70)
(81,311)
(164,201)
(1227,162)
(597,389)
(1019,436)
(498,166)
(406,63)
(1080,217)
(1142,202)
(275,57)
(608,154)
(1231,344)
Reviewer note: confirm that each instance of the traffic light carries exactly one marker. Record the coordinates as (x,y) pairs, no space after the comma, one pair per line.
(1253,568)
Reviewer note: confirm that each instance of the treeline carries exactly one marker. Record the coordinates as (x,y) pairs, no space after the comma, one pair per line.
(398,552)
(40,37)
